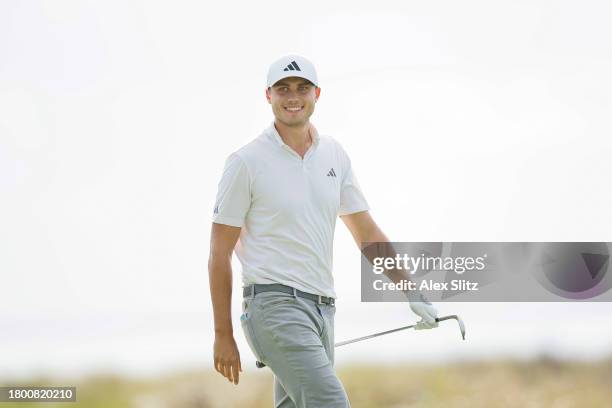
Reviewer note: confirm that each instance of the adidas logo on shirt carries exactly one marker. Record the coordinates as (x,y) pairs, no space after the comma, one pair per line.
(216,211)
(292,67)
(331,173)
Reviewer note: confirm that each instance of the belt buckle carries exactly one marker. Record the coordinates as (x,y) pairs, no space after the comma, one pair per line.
(319,300)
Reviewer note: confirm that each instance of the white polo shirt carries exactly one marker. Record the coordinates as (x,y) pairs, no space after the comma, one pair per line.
(287,207)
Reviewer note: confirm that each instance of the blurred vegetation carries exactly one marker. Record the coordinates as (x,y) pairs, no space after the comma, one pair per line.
(544,382)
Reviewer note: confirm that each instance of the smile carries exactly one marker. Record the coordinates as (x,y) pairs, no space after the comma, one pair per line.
(294,109)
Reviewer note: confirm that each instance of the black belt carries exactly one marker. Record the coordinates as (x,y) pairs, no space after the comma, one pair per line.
(277,287)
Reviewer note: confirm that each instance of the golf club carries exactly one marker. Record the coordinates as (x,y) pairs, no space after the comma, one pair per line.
(259,364)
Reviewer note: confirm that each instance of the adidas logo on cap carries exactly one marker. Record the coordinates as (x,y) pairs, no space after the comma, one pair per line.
(292,67)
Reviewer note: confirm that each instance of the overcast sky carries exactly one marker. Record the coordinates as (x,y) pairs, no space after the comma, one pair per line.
(472,120)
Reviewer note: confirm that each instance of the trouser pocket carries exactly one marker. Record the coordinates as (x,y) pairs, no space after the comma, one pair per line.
(246,320)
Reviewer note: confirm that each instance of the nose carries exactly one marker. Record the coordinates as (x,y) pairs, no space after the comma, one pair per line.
(292,96)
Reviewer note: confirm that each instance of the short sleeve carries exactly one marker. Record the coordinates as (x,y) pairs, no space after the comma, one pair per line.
(233,194)
(352,199)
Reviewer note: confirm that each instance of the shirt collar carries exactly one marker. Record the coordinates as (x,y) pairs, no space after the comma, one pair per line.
(314,134)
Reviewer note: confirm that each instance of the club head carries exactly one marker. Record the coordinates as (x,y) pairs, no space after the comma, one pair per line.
(461,327)
(458,319)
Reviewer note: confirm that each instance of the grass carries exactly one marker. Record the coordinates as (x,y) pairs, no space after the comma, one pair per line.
(542,383)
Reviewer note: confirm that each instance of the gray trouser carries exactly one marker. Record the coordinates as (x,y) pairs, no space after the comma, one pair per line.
(295,338)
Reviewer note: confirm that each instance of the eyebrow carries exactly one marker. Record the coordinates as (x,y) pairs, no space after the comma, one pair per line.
(280,83)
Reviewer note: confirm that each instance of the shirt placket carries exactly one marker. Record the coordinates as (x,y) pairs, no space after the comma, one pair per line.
(307,156)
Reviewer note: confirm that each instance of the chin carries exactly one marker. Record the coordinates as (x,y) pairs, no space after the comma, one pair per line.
(292,121)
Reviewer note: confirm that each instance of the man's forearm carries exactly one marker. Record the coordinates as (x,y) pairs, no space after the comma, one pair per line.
(379,246)
(220,280)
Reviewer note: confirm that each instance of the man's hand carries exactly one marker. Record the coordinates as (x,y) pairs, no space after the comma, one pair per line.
(424,309)
(227,357)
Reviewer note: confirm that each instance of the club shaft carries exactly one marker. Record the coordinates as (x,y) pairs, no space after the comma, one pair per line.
(342,343)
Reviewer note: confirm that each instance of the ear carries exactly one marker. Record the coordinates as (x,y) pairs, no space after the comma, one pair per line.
(317,93)
(268,95)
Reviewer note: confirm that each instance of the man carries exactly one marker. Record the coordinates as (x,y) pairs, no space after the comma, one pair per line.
(277,204)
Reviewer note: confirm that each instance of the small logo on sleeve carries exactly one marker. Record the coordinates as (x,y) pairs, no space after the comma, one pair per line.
(331,173)
(216,210)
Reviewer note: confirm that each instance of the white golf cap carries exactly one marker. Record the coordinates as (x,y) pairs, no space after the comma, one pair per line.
(292,65)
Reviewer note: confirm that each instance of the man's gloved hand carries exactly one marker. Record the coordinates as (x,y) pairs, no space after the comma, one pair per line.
(424,309)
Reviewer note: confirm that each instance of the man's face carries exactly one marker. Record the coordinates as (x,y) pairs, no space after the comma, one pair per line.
(293,100)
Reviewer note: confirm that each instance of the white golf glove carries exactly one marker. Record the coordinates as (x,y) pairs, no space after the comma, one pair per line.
(424,309)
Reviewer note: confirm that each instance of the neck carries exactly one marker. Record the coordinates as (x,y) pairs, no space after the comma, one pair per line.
(296,137)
